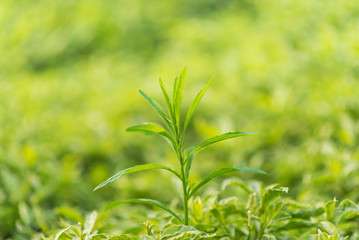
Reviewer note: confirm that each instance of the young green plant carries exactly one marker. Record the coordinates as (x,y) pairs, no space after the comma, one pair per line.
(173,131)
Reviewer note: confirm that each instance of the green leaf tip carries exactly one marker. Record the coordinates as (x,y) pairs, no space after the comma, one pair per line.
(136,168)
(158,108)
(194,105)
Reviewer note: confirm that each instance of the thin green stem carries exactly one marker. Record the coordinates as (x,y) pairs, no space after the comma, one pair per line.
(185,192)
(183,179)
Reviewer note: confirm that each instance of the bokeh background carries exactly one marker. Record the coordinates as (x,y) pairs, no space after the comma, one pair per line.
(69,75)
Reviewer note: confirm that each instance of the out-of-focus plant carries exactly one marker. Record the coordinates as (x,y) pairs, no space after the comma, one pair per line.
(174,132)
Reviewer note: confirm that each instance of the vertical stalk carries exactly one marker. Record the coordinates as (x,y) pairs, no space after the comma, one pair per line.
(185,197)
(184,184)
(183,179)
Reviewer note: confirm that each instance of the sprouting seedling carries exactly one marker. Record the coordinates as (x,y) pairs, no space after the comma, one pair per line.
(174,133)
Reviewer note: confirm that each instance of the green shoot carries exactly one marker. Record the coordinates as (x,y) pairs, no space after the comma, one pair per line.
(173,131)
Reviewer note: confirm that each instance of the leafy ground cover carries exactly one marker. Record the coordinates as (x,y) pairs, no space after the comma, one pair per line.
(68,86)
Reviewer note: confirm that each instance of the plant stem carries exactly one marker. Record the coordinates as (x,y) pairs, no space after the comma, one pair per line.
(179,152)
(185,196)
(184,182)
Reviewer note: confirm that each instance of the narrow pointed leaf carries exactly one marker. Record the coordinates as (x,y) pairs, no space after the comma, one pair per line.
(219,138)
(175,85)
(178,97)
(158,108)
(136,168)
(75,229)
(146,201)
(150,129)
(60,233)
(194,106)
(223,171)
(168,103)
(90,222)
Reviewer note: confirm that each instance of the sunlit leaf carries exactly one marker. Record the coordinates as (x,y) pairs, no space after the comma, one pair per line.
(122,237)
(145,201)
(158,108)
(177,96)
(348,214)
(181,232)
(197,208)
(323,235)
(272,211)
(194,106)
(219,138)
(90,222)
(150,129)
(223,171)
(60,233)
(272,194)
(329,209)
(168,103)
(136,168)
(348,204)
(329,227)
(76,229)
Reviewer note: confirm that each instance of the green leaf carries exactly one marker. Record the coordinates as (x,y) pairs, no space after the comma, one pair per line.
(272,194)
(76,230)
(180,232)
(323,236)
(219,138)
(158,108)
(175,86)
(329,209)
(329,227)
(194,106)
(90,222)
(197,209)
(177,96)
(150,129)
(223,171)
(348,204)
(168,103)
(272,212)
(136,168)
(307,213)
(348,214)
(60,233)
(298,224)
(100,236)
(122,237)
(145,201)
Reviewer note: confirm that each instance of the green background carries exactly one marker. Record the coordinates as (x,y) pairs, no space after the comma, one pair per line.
(69,75)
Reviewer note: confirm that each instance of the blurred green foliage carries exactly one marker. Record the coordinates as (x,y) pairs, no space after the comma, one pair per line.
(69,74)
